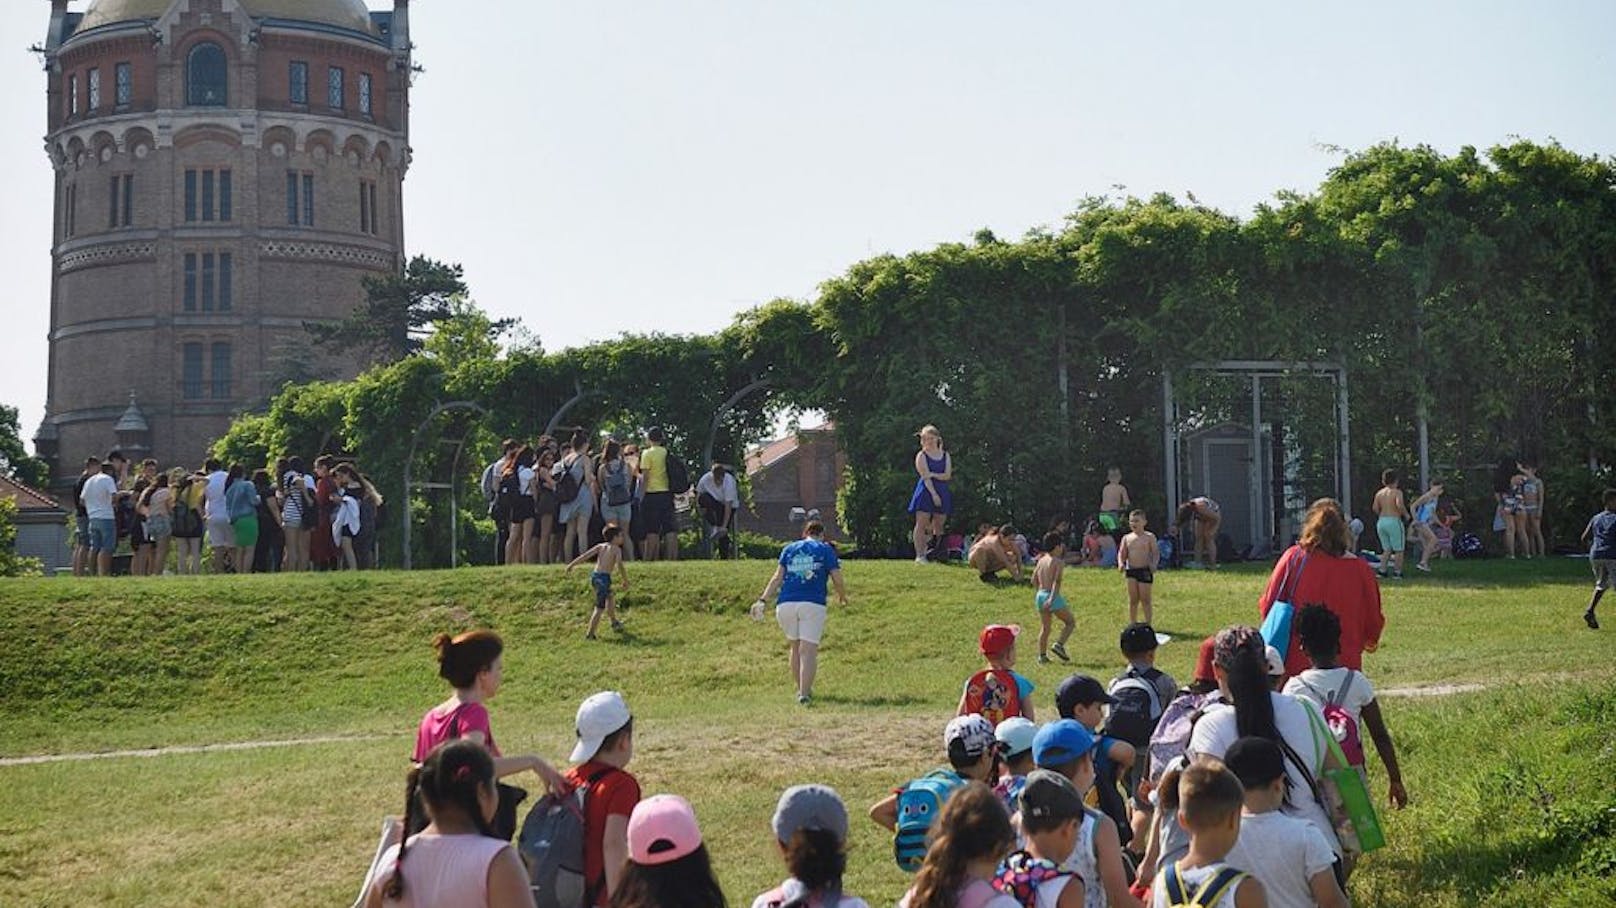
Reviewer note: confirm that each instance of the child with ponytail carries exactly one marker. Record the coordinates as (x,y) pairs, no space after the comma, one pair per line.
(971,837)
(810,826)
(456,859)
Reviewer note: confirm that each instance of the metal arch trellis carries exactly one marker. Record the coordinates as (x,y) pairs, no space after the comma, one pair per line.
(411,486)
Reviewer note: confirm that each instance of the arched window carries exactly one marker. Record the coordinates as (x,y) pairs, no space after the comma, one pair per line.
(206,76)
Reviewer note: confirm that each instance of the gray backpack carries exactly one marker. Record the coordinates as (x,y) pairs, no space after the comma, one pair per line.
(552,847)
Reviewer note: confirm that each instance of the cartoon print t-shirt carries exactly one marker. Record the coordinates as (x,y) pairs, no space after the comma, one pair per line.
(808,563)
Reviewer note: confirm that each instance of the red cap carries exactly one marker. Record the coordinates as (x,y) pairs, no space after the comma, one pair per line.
(996,638)
(1203,663)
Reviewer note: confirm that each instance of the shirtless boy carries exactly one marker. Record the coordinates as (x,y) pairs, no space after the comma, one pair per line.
(1391,510)
(995,552)
(1114,502)
(1048,600)
(1136,559)
(608,558)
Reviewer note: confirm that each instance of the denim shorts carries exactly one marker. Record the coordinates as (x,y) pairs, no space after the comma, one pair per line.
(103,535)
(602,583)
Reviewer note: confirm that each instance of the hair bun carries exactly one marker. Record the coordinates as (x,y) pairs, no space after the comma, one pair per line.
(444,644)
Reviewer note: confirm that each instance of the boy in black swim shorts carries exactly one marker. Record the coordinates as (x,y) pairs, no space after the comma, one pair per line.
(1136,559)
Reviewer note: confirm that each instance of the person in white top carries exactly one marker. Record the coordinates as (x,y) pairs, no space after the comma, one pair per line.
(221,538)
(719,498)
(456,860)
(1239,662)
(1209,803)
(98,497)
(971,836)
(1288,856)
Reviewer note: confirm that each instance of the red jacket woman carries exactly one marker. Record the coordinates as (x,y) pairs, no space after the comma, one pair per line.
(1333,577)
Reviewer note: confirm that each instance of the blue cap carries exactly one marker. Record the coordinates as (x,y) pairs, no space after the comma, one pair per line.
(1060,742)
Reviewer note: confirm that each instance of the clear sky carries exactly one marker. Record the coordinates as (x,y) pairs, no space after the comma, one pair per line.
(659,166)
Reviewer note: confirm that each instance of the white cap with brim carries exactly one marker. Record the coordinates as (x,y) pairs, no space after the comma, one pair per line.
(598,717)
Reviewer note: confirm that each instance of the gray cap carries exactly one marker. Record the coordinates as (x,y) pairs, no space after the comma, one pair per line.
(1052,795)
(810,807)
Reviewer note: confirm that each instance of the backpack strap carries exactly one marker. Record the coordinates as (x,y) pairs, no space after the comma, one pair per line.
(1340,697)
(1215,887)
(1174,884)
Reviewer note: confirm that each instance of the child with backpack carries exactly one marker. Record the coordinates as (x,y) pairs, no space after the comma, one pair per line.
(810,826)
(1046,576)
(1050,809)
(973,836)
(1288,856)
(997,692)
(1139,697)
(1601,534)
(1068,749)
(1015,736)
(1137,557)
(1209,802)
(608,557)
(1083,698)
(608,792)
(912,808)
(1344,696)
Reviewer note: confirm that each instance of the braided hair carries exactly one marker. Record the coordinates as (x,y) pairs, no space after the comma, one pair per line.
(448,781)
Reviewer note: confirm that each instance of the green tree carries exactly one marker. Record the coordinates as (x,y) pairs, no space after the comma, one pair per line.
(12,564)
(399,312)
(15,461)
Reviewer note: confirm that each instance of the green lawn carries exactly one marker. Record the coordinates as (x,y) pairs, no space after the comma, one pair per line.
(1514,803)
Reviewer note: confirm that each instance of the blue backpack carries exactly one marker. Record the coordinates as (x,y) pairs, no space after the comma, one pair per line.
(918,806)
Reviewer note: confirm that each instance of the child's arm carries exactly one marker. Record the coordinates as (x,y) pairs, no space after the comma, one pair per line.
(1122,755)
(885,813)
(1388,752)
(1113,878)
(1588,533)
(1326,891)
(1122,553)
(1060,573)
(1147,863)
(593,551)
(1071,895)
(1250,894)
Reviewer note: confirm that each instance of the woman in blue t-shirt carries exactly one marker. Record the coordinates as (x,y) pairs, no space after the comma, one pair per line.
(806,567)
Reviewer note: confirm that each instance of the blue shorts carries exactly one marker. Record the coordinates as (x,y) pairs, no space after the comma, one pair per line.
(603,587)
(1050,601)
(103,535)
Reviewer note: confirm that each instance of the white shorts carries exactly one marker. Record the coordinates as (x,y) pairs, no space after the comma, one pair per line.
(803,621)
(1604,569)
(221,534)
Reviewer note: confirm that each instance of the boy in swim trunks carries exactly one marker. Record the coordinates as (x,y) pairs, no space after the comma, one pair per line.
(1392,511)
(1137,561)
(1046,576)
(608,557)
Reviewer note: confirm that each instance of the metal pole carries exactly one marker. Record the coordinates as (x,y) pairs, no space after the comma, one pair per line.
(1256,460)
(1169,444)
(1343,428)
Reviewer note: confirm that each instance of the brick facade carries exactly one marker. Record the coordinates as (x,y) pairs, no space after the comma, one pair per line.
(800,471)
(183,227)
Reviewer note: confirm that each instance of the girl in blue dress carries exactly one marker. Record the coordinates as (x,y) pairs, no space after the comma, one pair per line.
(931,502)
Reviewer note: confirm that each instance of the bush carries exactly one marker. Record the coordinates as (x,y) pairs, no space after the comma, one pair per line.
(11,564)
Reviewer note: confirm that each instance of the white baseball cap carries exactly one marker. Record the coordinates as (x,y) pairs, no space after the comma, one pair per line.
(599,716)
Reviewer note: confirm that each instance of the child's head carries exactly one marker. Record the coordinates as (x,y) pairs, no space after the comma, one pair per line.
(471,661)
(1007,531)
(1066,747)
(974,826)
(605,730)
(1275,663)
(612,534)
(1082,697)
(1137,521)
(455,783)
(1050,809)
(810,823)
(1260,766)
(1015,736)
(667,862)
(1209,802)
(970,745)
(998,644)
(1186,514)
(1388,478)
(1054,543)
(1138,642)
(1527,465)
(1318,630)
(1113,474)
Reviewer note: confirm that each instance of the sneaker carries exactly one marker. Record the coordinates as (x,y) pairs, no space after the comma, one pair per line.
(1043,658)
(1423,567)
(617,626)
(920,560)
(804,699)
(1060,652)
(590,636)
(1591,621)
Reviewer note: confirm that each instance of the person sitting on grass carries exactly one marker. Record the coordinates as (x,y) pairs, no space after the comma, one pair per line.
(1209,802)
(997,692)
(1048,600)
(457,859)
(668,865)
(971,837)
(1331,685)
(608,557)
(1288,856)
(810,826)
(1067,748)
(1050,809)
(1015,750)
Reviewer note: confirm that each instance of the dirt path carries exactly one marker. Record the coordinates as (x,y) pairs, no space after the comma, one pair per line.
(184,749)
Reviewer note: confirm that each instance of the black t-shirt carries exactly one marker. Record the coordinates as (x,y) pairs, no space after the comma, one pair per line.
(78,502)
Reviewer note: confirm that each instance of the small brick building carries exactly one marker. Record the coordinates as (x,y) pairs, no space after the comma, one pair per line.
(42,530)
(799,471)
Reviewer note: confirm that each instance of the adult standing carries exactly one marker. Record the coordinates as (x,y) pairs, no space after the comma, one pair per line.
(1508,496)
(241,502)
(806,567)
(545,508)
(190,495)
(931,502)
(297,514)
(1320,568)
(271,550)
(656,510)
(323,550)
(615,479)
(217,514)
(718,497)
(1205,516)
(488,483)
(158,504)
(99,498)
(83,557)
(574,515)
(1529,524)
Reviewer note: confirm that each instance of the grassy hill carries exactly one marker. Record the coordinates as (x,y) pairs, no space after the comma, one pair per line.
(1513,803)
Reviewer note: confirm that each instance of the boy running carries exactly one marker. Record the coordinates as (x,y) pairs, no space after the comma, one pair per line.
(1601,531)
(1048,600)
(608,557)
(1137,560)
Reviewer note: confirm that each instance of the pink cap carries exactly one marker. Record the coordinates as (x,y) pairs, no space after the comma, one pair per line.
(662,828)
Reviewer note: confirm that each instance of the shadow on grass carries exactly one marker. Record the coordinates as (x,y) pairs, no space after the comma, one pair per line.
(1477,872)
(872,700)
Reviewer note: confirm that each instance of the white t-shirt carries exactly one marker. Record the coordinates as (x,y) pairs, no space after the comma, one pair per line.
(99,491)
(1216,732)
(1191,879)
(214,496)
(1320,685)
(1283,853)
(524,480)
(727,493)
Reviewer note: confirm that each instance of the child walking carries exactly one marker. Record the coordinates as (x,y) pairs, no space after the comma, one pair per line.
(1051,810)
(973,834)
(608,557)
(1048,600)
(1288,856)
(1601,532)
(1209,803)
(1137,561)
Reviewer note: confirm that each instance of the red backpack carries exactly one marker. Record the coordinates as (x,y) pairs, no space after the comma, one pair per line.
(993,694)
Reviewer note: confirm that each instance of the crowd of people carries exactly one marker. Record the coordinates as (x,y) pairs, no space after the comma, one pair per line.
(278,518)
